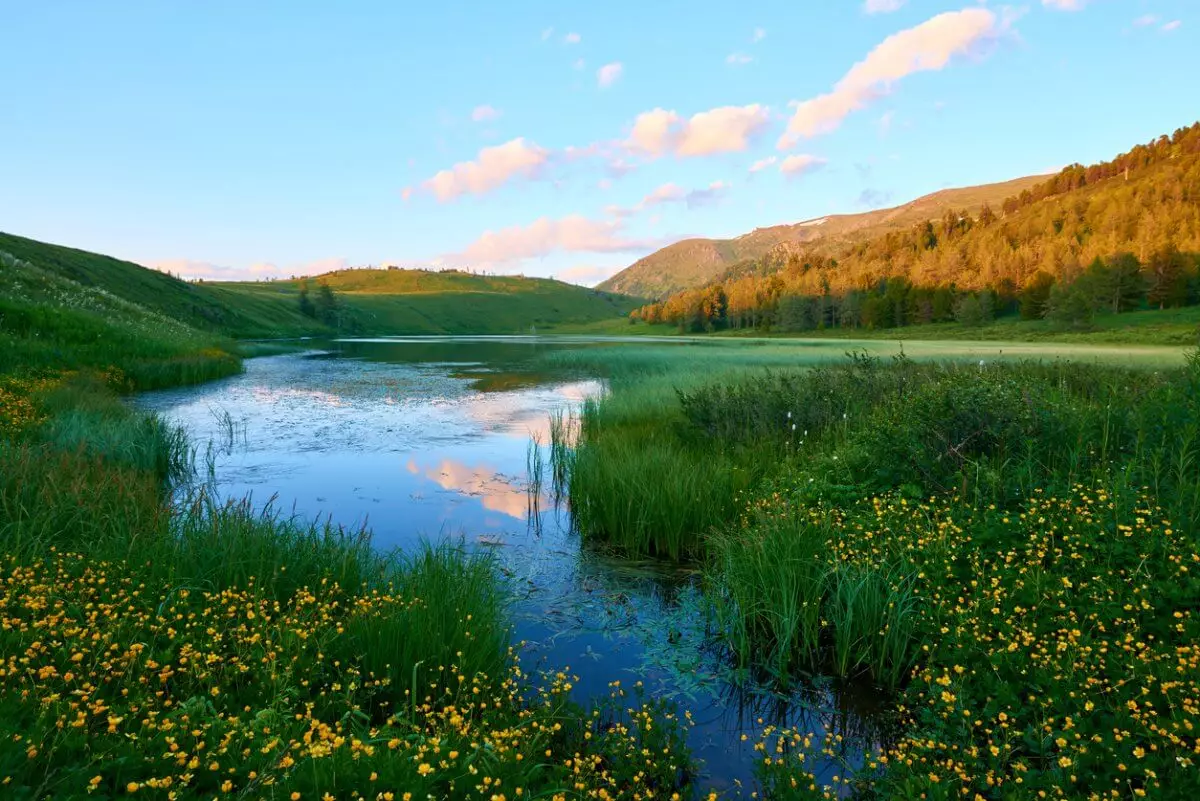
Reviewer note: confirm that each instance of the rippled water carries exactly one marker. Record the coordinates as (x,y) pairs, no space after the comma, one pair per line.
(423,438)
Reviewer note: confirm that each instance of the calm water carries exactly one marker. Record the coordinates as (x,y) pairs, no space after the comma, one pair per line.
(429,438)
(422,438)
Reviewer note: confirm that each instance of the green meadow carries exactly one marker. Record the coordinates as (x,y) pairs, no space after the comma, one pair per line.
(1004,544)
(996,537)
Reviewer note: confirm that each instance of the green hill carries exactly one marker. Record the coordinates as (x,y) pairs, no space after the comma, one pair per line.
(377,302)
(695,262)
(1087,242)
(437,302)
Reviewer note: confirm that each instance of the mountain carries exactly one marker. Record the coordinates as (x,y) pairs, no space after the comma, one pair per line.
(380,302)
(695,262)
(1088,241)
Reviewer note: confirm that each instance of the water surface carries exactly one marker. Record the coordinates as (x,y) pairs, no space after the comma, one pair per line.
(430,438)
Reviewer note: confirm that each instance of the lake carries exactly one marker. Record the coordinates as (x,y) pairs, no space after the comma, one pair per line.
(435,438)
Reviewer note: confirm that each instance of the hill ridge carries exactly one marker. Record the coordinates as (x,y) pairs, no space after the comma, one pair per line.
(705,258)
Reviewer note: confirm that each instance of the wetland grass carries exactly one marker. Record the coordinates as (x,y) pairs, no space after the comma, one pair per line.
(1008,549)
(161,642)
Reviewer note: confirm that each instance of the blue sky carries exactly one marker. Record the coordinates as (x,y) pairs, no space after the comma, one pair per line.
(231,139)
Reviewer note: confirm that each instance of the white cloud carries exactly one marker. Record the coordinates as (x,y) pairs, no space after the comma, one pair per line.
(709,194)
(720,130)
(885,122)
(609,73)
(572,38)
(571,234)
(654,132)
(578,64)
(667,193)
(1172,25)
(762,164)
(672,193)
(485,113)
(925,47)
(1145,20)
(758,35)
(737,59)
(799,164)
(587,274)
(260,271)
(619,167)
(493,167)
(882,6)
(1065,5)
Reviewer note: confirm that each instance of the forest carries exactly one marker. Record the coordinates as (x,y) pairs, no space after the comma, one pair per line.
(1112,237)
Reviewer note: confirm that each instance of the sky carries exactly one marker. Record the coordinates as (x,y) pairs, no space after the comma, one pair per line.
(285,137)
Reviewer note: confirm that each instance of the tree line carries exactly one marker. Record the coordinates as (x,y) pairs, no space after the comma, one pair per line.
(1108,238)
(323,305)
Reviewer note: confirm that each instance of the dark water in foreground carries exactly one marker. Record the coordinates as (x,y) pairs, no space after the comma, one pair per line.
(421,438)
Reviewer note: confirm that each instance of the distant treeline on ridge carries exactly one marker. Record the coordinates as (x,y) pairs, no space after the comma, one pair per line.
(1108,238)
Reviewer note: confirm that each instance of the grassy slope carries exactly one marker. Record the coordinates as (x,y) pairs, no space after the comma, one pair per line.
(376,301)
(49,323)
(422,302)
(195,305)
(695,262)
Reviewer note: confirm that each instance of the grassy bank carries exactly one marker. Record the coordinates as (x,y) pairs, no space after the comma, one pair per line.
(159,643)
(1007,548)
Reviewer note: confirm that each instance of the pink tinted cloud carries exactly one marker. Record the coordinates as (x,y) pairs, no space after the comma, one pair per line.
(485,113)
(572,234)
(608,74)
(799,164)
(929,46)
(493,167)
(726,129)
(587,274)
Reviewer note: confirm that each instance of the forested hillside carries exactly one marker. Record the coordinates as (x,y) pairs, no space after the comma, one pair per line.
(1108,238)
(694,263)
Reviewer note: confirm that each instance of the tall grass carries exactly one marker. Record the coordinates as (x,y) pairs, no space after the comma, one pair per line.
(785,604)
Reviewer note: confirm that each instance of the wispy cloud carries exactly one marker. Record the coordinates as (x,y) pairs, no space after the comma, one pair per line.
(608,74)
(587,274)
(547,33)
(720,130)
(485,113)
(1145,20)
(873,198)
(737,59)
(492,167)
(926,47)
(762,164)
(571,234)
(882,6)
(1065,5)
(672,193)
(800,164)
(1172,25)
(572,38)
(884,123)
(191,269)
(758,35)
